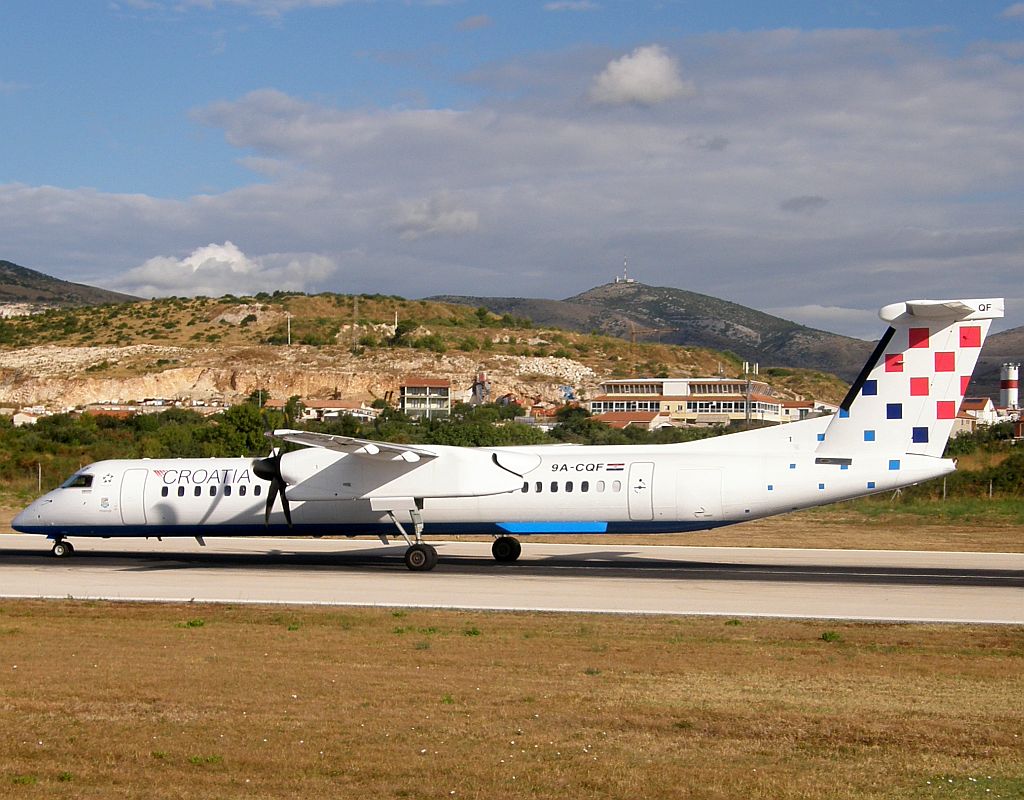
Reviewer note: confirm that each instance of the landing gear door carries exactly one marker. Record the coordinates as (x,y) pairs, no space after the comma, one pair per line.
(133,497)
(639,486)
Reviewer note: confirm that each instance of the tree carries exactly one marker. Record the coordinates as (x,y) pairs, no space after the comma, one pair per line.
(293,410)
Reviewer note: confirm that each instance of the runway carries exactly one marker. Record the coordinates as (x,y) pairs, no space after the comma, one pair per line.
(833,584)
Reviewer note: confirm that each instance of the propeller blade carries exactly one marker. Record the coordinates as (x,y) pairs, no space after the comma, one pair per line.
(269,469)
(285,507)
(271,496)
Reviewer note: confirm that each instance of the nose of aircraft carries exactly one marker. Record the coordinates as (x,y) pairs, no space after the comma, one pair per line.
(31,517)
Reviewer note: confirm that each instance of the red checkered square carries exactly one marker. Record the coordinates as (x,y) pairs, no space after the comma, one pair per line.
(945,362)
(918,387)
(970,336)
(894,362)
(965,381)
(945,409)
(918,337)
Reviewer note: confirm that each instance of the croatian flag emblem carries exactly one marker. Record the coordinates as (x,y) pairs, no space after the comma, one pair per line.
(616,467)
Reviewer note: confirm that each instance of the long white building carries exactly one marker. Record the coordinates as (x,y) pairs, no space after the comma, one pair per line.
(693,401)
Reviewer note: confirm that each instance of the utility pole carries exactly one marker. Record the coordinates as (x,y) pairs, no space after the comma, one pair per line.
(289,315)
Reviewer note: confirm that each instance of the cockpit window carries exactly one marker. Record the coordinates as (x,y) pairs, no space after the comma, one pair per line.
(77,482)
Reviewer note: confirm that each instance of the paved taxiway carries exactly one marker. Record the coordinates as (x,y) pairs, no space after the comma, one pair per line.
(837,584)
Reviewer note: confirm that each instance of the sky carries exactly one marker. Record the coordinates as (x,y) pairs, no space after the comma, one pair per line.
(815,159)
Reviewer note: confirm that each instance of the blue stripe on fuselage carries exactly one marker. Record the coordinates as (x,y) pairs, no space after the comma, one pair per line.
(372,529)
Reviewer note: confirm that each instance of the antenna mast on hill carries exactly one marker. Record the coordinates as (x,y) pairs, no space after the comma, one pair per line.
(625,273)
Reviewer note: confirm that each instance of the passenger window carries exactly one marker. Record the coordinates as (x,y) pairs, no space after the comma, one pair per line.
(585,486)
(181,491)
(616,486)
(600,486)
(163,491)
(526,487)
(241,489)
(213,491)
(554,486)
(568,486)
(199,491)
(540,486)
(257,490)
(227,490)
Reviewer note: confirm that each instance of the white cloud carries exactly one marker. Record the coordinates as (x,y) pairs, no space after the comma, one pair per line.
(219,269)
(570,5)
(434,215)
(1014,11)
(475,23)
(646,76)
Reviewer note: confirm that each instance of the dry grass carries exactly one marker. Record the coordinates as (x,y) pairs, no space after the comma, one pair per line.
(119,700)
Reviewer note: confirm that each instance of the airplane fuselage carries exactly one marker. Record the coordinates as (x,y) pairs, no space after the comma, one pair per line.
(572,489)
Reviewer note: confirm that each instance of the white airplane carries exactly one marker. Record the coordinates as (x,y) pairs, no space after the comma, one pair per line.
(890,432)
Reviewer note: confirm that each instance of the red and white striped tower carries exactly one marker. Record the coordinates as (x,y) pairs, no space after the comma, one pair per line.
(1008,386)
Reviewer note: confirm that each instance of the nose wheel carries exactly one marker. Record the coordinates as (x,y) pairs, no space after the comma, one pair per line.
(62,549)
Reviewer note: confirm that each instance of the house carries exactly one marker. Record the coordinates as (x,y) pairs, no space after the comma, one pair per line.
(981,408)
(649,420)
(425,398)
(329,409)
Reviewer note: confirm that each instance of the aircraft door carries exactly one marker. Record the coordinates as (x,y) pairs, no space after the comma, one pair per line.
(133,497)
(639,486)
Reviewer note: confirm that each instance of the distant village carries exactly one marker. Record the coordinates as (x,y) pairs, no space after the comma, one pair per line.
(648,403)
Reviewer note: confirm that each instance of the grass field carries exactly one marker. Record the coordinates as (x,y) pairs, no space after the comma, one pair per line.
(102,700)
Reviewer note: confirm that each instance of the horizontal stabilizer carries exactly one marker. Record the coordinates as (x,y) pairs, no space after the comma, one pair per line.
(952,310)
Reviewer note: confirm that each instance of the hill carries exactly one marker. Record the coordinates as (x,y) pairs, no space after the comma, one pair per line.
(343,346)
(999,349)
(20,285)
(634,310)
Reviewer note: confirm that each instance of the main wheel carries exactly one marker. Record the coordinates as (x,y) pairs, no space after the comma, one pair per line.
(421,557)
(62,549)
(506,548)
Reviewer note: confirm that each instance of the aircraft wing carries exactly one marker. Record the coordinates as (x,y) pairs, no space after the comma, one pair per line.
(366,448)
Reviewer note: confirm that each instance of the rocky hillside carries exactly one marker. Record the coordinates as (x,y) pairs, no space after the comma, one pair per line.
(345,347)
(23,286)
(656,313)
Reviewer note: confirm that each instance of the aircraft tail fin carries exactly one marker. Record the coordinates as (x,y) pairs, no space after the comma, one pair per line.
(906,398)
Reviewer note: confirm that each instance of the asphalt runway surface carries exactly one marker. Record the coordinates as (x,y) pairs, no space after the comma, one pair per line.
(732,581)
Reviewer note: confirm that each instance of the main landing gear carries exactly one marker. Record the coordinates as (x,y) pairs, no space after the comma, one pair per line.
(506,549)
(420,556)
(62,549)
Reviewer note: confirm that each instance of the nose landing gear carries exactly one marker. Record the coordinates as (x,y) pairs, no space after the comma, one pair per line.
(62,549)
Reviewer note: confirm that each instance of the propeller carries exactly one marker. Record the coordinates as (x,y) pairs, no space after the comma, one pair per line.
(269,469)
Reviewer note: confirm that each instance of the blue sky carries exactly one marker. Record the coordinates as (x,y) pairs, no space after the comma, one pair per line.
(813,159)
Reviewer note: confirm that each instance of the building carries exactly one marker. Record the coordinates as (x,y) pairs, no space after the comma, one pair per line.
(329,409)
(981,408)
(1009,386)
(425,398)
(691,401)
(648,420)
